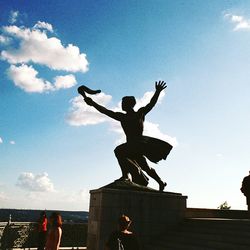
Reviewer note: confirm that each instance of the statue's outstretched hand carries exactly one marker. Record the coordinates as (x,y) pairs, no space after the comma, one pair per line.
(160,85)
(81,90)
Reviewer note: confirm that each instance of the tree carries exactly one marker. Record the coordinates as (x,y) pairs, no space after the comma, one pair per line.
(224,206)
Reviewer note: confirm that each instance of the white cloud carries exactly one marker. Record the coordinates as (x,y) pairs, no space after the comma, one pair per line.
(13,16)
(1,140)
(35,183)
(4,39)
(43,25)
(34,46)
(65,82)
(241,23)
(81,114)
(24,48)
(12,142)
(25,77)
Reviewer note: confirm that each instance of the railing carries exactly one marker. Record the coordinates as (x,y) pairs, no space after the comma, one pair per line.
(25,235)
(216,213)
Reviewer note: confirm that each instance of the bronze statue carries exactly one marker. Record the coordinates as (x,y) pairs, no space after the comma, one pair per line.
(132,154)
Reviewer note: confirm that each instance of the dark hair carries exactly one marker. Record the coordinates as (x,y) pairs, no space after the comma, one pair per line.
(43,214)
(124,222)
(56,219)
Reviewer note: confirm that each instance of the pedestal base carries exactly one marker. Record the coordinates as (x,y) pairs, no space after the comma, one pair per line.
(151,212)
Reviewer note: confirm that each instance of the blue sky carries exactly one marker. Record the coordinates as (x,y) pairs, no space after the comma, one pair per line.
(54,148)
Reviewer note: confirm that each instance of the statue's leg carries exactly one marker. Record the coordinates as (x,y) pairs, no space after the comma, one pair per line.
(138,176)
(121,155)
(129,166)
(141,160)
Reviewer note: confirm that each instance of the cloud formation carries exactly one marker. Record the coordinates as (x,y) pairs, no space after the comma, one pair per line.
(25,48)
(81,114)
(26,78)
(43,25)
(241,23)
(13,16)
(35,183)
(1,140)
(35,46)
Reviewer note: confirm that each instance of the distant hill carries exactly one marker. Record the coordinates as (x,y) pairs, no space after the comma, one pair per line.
(29,215)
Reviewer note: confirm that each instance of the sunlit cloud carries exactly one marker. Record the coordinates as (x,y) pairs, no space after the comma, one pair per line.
(35,46)
(43,25)
(27,48)
(81,114)
(26,78)
(12,142)
(64,82)
(35,183)
(240,22)
(13,16)
(4,39)
(1,140)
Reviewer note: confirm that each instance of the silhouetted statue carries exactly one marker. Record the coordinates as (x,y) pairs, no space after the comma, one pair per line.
(131,155)
(245,189)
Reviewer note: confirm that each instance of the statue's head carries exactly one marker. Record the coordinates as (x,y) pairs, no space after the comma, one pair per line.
(128,103)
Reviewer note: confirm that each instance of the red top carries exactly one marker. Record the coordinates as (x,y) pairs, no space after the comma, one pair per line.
(42,227)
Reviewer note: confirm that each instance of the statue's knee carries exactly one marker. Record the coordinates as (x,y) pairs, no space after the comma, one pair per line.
(120,150)
(117,151)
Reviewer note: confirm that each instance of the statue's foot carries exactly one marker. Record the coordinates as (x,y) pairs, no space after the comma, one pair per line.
(162,185)
(123,178)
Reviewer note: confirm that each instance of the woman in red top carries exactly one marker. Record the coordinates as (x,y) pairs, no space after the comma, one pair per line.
(55,232)
(42,230)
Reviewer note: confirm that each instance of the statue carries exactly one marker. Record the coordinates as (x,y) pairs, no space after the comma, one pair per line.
(132,154)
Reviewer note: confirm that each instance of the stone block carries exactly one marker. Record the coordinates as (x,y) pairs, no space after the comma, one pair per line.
(151,213)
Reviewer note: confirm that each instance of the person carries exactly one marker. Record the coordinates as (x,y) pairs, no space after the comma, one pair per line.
(42,230)
(245,189)
(132,155)
(122,238)
(55,232)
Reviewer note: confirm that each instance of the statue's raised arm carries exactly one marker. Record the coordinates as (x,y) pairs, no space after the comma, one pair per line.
(159,86)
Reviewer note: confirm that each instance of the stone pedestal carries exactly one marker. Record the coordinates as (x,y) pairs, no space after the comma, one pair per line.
(151,212)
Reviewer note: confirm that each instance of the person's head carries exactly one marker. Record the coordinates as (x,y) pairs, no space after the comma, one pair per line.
(43,214)
(55,219)
(124,222)
(128,103)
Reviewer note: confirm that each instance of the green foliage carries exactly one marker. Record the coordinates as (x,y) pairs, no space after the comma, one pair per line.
(224,206)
